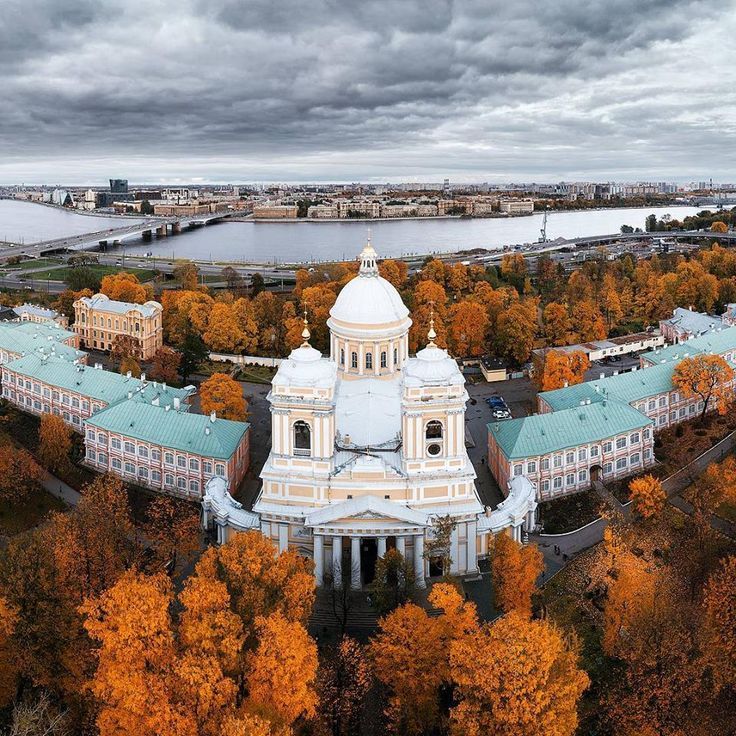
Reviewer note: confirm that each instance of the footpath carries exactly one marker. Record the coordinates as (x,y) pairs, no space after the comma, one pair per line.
(559,549)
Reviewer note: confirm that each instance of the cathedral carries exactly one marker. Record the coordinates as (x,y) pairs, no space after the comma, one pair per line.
(368,449)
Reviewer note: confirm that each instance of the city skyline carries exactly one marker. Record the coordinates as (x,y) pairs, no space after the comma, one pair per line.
(386,91)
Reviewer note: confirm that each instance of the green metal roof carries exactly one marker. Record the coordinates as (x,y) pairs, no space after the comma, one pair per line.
(716,343)
(192,433)
(626,387)
(96,383)
(542,434)
(26,338)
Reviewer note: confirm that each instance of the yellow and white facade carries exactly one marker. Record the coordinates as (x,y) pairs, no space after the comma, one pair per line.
(368,446)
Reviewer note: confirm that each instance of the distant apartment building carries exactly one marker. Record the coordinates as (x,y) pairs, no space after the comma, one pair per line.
(99,320)
(359,208)
(184,210)
(516,206)
(166,450)
(481,209)
(453,206)
(323,212)
(269,211)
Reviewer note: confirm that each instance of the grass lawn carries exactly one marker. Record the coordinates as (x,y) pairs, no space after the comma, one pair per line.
(17,518)
(566,514)
(60,274)
(256,373)
(34,263)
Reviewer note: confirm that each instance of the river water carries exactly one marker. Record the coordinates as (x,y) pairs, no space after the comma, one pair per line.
(288,242)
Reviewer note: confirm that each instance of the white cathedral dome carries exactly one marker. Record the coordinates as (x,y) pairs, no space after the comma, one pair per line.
(368,299)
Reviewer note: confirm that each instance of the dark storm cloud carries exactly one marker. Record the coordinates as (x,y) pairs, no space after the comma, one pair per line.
(495,89)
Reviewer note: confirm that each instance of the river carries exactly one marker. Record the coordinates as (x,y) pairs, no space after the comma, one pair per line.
(289,242)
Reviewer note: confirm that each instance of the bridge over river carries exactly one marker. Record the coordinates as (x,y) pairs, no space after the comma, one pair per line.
(158,226)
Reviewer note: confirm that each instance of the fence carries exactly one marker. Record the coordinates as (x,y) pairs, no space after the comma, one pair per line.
(246,360)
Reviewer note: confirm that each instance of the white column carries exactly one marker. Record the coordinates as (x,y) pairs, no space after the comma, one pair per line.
(283,537)
(381,546)
(376,359)
(356,582)
(337,562)
(419,561)
(319,560)
(472,533)
(455,550)
(401,546)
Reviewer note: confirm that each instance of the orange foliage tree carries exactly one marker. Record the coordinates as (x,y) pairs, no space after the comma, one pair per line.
(707,377)
(516,676)
(125,287)
(517,329)
(223,333)
(282,672)
(428,300)
(719,227)
(558,369)
(647,496)
(719,624)
(54,442)
(224,395)
(514,570)
(467,322)
(165,365)
(395,272)
(556,321)
(8,671)
(172,529)
(19,474)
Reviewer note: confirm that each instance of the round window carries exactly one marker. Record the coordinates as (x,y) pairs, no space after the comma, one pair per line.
(434,449)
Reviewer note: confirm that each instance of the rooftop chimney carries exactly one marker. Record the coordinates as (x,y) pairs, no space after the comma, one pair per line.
(143,377)
(130,394)
(129,374)
(177,403)
(213,416)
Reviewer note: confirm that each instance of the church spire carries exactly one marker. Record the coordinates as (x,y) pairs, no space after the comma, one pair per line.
(305,332)
(431,334)
(368,263)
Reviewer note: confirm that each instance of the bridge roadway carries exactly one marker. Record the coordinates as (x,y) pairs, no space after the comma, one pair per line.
(158,225)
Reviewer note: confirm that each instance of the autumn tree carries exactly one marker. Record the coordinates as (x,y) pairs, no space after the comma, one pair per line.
(647,496)
(556,321)
(187,274)
(318,300)
(719,624)
(408,659)
(125,287)
(516,676)
(467,323)
(282,672)
(165,365)
(223,333)
(719,227)
(193,353)
(393,582)
(343,682)
(132,625)
(172,530)
(292,325)
(54,442)
(126,347)
(246,317)
(8,671)
(558,369)
(223,395)
(19,474)
(517,330)
(428,299)
(394,271)
(588,323)
(130,365)
(457,279)
(514,569)
(707,377)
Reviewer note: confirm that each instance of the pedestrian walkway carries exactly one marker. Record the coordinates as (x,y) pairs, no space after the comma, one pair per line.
(60,490)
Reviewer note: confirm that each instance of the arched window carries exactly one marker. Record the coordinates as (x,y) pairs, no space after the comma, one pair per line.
(342,356)
(354,360)
(302,438)
(384,359)
(433,434)
(396,356)
(369,360)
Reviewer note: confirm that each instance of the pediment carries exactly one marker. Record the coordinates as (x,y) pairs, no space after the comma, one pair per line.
(366,507)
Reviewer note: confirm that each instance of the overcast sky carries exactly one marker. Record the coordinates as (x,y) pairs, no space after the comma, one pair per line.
(370,90)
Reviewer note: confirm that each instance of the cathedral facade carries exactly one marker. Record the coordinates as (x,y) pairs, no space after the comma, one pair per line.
(368,449)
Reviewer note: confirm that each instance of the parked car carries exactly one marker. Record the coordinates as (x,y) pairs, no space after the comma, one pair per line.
(501,414)
(495,402)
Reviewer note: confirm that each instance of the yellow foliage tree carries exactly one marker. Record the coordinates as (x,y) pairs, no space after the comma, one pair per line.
(516,676)
(514,569)
(647,496)
(719,227)
(8,670)
(54,442)
(719,624)
(223,333)
(708,377)
(223,395)
(468,322)
(558,369)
